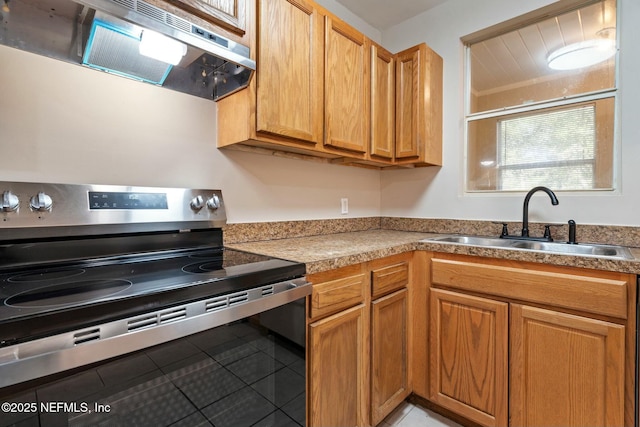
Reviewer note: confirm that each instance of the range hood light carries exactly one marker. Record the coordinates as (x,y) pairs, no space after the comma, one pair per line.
(162,48)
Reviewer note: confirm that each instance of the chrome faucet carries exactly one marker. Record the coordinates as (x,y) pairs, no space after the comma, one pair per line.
(525,207)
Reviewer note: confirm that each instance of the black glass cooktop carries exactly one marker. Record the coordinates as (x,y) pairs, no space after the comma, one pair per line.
(37,302)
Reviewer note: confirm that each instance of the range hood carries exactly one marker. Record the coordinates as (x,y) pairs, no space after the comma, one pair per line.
(111,35)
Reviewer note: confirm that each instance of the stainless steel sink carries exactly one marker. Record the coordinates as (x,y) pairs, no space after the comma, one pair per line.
(472,240)
(582,249)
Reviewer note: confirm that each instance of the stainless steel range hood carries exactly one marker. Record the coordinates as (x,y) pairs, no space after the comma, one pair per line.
(106,35)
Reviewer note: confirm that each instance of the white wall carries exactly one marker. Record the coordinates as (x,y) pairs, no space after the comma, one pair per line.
(438,193)
(64,123)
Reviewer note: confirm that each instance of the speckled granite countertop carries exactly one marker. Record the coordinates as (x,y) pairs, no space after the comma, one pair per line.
(331,251)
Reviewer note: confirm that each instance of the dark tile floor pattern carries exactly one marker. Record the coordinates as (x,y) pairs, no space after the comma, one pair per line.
(235,375)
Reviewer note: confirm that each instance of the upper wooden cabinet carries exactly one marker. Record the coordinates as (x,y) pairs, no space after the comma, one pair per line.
(346,87)
(290,74)
(228,14)
(419,106)
(383,103)
(322,90)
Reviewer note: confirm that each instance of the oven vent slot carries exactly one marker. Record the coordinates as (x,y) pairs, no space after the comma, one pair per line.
(86,336)
(141,323)
(172,316)
(218,303)
(215,304)
(238,298)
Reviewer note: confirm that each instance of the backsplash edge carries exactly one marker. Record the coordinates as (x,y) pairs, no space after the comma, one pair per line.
(586,233)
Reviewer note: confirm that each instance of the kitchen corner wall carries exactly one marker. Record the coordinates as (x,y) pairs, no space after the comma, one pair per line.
(64,123)
(68,124)
(438,193)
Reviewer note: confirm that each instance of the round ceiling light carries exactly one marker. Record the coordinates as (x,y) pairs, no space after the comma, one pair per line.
(582,54)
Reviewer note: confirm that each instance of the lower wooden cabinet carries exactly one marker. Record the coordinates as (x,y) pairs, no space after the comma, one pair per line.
(336,364)
(469,356)
(566,370)
(358,337)
(525,344)
(507,343)
(389,354)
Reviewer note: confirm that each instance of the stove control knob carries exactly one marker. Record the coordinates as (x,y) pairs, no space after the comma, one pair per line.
(214,202)
(197,203)
(41,202)
(10,202)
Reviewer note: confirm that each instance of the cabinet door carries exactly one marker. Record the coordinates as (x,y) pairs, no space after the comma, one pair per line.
(346,87)
(469,359)
(389,356)
(383,103)
(229,14)
(290,75)
(565,370)
(337,367)
(407,103)
(419,106)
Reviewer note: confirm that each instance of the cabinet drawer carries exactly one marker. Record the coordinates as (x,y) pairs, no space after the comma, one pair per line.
(336,295)
(387,279)
(601,293)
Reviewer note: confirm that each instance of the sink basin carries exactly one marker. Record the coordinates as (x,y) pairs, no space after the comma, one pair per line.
(579,249)
(473,240)
(582,249)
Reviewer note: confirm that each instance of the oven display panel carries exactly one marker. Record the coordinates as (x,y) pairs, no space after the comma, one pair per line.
(128,201)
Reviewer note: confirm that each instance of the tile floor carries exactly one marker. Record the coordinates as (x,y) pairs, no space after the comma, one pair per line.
(409,415)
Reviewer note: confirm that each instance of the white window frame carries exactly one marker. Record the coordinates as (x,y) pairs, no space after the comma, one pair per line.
(539,106)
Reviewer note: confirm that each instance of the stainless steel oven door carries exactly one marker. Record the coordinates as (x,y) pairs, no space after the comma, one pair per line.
(232,374)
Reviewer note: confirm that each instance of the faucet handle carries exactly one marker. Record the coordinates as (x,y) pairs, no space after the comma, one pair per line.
(505,228)
(547,231)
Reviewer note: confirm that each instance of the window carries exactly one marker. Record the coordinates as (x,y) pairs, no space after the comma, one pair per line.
(529,124)
(558,146)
